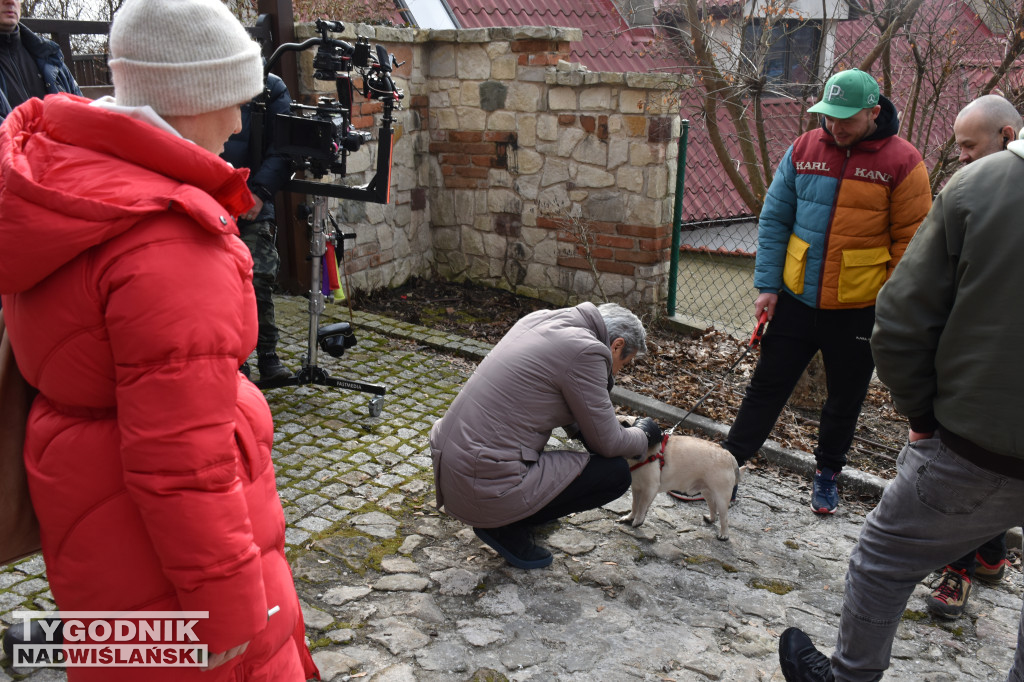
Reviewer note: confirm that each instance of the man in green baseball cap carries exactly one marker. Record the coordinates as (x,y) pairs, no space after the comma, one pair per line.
(842,207)
(850,106)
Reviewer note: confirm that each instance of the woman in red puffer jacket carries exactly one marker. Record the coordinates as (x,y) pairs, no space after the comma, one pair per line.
(128,299)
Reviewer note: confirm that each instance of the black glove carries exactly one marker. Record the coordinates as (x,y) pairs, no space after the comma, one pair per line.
(651,428)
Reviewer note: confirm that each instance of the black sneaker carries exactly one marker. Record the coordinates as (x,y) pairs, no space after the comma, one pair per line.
(244,369)
(800,661)
(516,545)
(270,367)
(949,599)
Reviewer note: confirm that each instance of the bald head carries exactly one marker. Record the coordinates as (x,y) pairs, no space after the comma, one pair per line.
(984,127)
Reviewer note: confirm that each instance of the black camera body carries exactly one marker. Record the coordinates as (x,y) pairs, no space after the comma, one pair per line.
(318,138)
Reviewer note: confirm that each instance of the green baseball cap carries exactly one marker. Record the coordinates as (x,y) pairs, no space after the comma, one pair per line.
(846,93)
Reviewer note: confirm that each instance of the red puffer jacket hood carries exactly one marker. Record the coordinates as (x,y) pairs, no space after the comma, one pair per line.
(58,159)
(129,303)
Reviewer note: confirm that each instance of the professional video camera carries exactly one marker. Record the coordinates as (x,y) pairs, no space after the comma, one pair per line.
(318,140)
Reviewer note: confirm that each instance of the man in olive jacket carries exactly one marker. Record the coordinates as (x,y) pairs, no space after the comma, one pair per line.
(947,340)
(553,368)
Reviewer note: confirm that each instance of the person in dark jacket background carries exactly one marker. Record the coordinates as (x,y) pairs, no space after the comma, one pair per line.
(553,368)
(269,171)
(30,66)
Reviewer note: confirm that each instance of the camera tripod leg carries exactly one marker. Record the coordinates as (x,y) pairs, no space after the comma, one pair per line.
(311,373)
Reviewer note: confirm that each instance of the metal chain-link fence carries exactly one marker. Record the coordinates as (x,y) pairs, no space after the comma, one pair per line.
(718,239)
(715,280)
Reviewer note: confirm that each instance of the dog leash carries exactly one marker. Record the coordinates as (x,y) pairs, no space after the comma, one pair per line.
(755,341)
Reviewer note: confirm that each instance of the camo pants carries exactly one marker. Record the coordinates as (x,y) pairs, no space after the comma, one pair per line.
(261,238)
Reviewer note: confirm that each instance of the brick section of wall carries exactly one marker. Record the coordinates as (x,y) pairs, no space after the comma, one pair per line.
(516,169)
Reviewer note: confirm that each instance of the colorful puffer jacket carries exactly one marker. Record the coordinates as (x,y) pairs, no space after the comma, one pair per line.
(128,300)
(836,221)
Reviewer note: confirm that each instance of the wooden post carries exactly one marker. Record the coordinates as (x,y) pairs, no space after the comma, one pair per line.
(292,236)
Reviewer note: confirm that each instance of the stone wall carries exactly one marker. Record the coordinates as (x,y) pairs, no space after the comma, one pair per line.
(516,169)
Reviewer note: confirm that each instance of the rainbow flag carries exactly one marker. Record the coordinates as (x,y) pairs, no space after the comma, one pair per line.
(331,285)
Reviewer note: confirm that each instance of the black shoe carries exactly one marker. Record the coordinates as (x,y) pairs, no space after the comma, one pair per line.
(16,635)
(270,367)
(800,661)
(244,369)
(516,545)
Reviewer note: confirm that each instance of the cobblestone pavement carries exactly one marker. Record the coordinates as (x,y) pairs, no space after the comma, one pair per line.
(392,590)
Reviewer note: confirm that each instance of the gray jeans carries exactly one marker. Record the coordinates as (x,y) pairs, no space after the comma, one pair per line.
(939,507)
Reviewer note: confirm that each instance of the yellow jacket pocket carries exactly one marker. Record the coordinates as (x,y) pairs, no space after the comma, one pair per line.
(862,274)
(796,264)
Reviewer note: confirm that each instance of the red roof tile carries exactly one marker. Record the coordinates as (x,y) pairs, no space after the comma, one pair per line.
(608,44)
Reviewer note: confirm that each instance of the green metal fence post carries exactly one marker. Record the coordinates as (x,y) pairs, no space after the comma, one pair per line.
(677,218)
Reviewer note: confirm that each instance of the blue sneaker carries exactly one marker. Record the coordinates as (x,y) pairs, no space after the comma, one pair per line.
(825,497)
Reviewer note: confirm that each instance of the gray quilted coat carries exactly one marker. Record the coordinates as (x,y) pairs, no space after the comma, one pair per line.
(553,368)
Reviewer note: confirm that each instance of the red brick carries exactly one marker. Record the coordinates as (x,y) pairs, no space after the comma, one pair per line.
(659,130)
(471,172)
(616,242)
(602,127)
(566,119)
(419,101)
(626,256)
(485,161)
(654,244)
(524,60)
(466,136)
(640,231)
(455,159)
(447,170)
(588,123)
(603,227)
(549,223)
(534,46)
(615,267)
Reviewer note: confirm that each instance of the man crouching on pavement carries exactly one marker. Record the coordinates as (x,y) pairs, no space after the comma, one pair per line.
(553,368)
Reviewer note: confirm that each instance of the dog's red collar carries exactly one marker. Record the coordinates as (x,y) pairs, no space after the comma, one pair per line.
(659,455)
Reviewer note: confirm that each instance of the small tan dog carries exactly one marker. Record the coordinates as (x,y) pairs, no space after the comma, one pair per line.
(684,463)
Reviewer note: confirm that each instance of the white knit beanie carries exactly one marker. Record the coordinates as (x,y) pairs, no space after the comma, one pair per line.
(182,57)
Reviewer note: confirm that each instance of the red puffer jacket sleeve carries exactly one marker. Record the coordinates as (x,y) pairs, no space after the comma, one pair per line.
(175,310)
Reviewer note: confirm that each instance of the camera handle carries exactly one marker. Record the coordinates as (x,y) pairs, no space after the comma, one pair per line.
(311,373)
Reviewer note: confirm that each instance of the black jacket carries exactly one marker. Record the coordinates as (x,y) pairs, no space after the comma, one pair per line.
(46,53)
(269,170)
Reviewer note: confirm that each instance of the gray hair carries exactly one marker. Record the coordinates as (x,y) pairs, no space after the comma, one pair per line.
(996,111)
(621,323)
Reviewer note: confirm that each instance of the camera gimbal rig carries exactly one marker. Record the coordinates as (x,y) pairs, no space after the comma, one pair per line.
(318,140)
